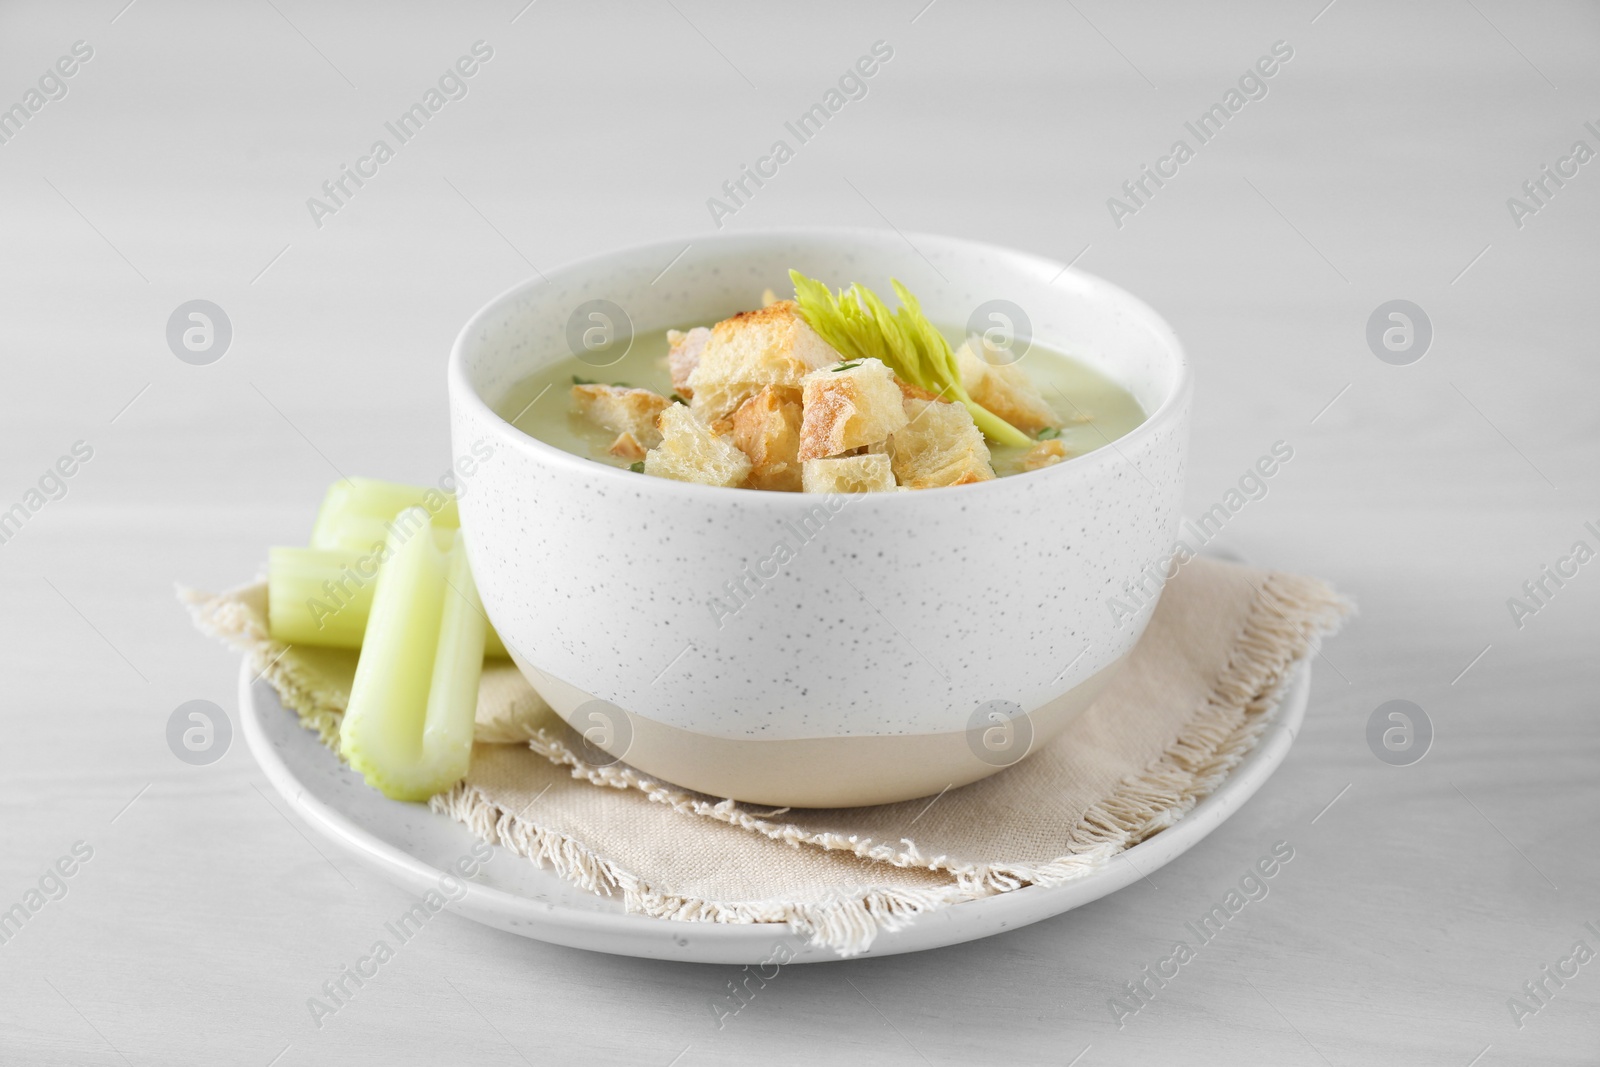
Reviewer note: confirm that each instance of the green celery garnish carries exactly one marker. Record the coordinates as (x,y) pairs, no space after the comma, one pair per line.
(860,326)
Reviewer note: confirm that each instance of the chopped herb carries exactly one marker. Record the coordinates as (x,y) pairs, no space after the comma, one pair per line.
(676,399)
(582,381)
(621,385)
(637,466)
(1049,433)
(859,325)
(847,366)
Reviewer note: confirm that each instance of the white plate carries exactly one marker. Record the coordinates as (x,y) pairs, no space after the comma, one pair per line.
(413,847)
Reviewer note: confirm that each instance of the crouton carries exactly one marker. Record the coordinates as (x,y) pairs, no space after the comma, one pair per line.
(622,410)
(628,447)
(771,346)
(683,355)
(690,452)
(1003,388)
(939,445)
(867,473)
(1043,454)
(849,406)
(767,429)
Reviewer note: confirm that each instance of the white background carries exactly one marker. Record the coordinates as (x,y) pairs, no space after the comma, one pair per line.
(1377,167)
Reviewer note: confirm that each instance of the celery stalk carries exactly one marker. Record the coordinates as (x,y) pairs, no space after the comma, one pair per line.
(355,512)
(322,597)
(408,726)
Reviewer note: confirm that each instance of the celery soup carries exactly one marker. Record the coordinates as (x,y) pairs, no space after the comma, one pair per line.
(837,397)
(1094,409)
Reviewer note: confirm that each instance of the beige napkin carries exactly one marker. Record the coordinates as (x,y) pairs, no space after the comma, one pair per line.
(1191,702)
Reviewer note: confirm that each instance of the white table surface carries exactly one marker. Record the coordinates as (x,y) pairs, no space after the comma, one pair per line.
(1377,167)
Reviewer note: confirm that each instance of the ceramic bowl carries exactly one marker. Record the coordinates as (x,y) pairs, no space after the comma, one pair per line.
(808,650)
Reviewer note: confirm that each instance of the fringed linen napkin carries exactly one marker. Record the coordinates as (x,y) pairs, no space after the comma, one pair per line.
(1189,705)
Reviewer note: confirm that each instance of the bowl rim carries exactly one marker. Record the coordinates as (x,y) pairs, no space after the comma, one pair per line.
(462,390)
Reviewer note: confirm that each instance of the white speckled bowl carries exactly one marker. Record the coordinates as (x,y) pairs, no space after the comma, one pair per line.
(865,668)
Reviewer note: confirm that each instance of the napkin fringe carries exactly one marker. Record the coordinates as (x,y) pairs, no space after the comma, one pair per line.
(847,924)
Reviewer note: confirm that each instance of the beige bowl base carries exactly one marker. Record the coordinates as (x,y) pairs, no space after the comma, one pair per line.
(819,772)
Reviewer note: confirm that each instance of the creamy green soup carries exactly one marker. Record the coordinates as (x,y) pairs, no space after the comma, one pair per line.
(1094,410)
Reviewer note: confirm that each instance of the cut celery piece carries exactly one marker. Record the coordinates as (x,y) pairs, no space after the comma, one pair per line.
(457,666)
(408,726)
(356,512)
(322,597)
(319,596)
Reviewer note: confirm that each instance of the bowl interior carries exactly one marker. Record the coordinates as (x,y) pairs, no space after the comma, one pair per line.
(667,284)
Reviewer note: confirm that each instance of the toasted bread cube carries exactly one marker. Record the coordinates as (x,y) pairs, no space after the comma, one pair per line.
(767,429)
(622,410)
(1003,388)
(628,447)
(1043,454)
(939,445)
(849,406)
(866,473)
(683,355)
(690,452)
(770,346)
